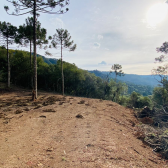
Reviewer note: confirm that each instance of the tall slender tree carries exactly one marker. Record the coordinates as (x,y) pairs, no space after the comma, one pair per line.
(25,36)
(62,39)
(9,33)
(36,7)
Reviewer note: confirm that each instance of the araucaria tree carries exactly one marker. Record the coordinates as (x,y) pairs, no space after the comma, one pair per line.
(62,39)
(25,37)
(36,7)
(117,69)
(9,33)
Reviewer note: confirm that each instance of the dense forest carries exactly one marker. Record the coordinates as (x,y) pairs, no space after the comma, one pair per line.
(136,83)
(77,82)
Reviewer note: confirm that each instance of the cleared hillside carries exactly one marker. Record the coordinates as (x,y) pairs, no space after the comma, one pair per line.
(72,132)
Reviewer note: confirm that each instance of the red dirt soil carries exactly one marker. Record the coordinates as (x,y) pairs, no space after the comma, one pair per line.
(47,133)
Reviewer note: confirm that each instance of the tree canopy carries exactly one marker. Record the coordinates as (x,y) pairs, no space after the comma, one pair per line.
(25,33)
(42,6)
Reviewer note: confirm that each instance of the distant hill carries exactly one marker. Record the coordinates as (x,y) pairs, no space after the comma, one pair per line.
(48,60)
(142,84)
(145,80)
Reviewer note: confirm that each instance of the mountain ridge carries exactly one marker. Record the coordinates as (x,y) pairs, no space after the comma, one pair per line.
(145,80)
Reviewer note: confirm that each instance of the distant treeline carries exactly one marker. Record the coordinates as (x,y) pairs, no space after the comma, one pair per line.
(138,83)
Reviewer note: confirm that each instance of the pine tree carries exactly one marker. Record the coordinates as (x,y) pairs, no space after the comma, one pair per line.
(25,36)
(9,33)
(36,7)
(117,69)
(62,39)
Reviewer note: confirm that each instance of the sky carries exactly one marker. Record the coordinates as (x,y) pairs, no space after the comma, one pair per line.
(107,32)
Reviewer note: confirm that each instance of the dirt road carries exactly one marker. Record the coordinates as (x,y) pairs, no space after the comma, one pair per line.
(50,133)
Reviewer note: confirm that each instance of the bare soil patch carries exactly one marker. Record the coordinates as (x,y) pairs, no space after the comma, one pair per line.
(47,133)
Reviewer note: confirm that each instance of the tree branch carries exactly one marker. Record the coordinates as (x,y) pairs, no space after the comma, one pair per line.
(18,14)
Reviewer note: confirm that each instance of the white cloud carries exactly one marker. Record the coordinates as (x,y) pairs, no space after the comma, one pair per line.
(96,10)
(99,37)
(117,17)
(57,22)
(96,45)
(103,63)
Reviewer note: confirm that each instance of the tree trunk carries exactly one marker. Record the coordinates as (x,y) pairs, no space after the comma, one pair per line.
(8,62)
(62,71)
(35,58)
(30,55)
(31,78)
